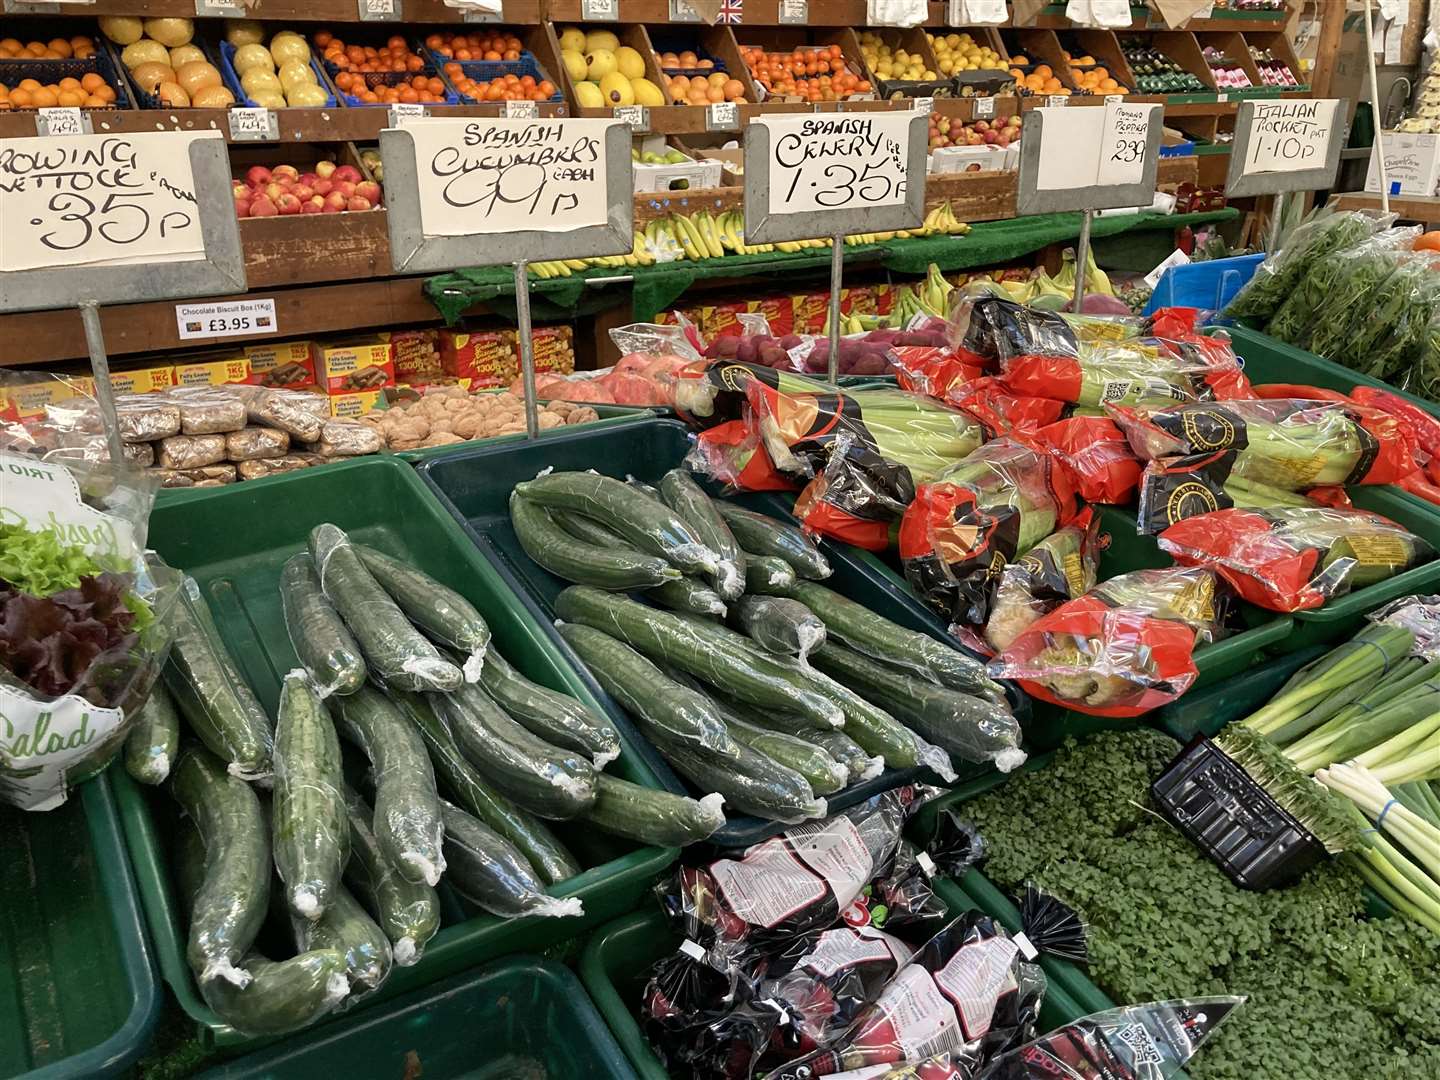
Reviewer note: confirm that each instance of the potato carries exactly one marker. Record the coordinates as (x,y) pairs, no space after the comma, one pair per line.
(444,438)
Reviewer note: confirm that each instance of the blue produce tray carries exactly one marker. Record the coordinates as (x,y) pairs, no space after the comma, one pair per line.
(45,72)
(232,78)
(431,70)
(678,43)
(1210,285)
(494,69)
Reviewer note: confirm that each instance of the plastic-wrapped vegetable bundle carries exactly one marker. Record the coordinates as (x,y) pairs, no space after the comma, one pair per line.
(710,392)
(701,1016)
(1275,279)
(1061,567)
(732,454)
(1002,410)
(1315,313)
(986,328)
(1425,375)
(1387,340)
(1123,648)
(982,512)
(1294,559)
(1131,371)
(1096,455)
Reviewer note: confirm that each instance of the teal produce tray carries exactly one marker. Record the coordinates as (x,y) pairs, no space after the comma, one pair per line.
(475,485)
(79,996)
(522,1017)
(618,957)
(234,540)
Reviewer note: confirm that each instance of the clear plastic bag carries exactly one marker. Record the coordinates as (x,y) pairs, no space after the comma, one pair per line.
(1275,279)
(1131,371)
(255,443)
(291,411)
(207,410)
(190,451)
(1060,567)
(347,438)
(987,329)
(1096,455)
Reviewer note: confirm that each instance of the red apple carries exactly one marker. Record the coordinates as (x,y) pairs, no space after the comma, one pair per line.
(237,188)
(322,186)
(309,178)
(285,170)
(261,206)
(257,176)
(990,136)
(356,203)
(274,190)
(369,191)
(345,187)
(324,168)
(242,207)
(317,201)
(302,191)
(335,202)
(313,207)
(288,204)
(348,172)
(982,125)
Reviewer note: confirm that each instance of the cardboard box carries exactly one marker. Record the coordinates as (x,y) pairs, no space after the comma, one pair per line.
(353,366)
(554,348)
(690,176)
(290,364)
(416,354)
(1412,164)
(233,370)
(353,405)
(485,357)
(859,301)
(143,380)
(27,401)
(720,320)
(987,158)
(779,312)
(810,312)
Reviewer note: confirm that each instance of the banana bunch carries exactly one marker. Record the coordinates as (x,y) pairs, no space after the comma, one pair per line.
(558,268)
(640,255)
(942,220)
(661,243)
(927,297)
(732,235)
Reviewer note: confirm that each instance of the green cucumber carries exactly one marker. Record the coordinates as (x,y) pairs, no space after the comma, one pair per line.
(759,534)
(969,727)
(642,520)
(488,871)
(230,904)
(823,773)
(707,651)
(650,491)
(750,781)
(475,795)
(850,754)
(874,635)
(778,625)
(543,779)
(670,713)
(589,530)
(690,595)
(557,718)
(408,912)
(555,550)
(765,575)
(683,495)
(348,929)
(154,738)
(407,808)
(436,609)
(318,634)
(216,702)
(658,818)
(394,650)
(311,838)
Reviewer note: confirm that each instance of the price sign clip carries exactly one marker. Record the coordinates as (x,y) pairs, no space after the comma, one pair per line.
(600,10)
(637,116)
(794,12)
(66,121)
(521,110)
(402,111)
(253,125)
(722,116)
(983,107)
(923,105)
(381,10)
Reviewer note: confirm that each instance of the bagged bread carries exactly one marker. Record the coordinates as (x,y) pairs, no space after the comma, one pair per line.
(290,411)
(190,451)
(250,443)
(204,476)
(347,438)
(207,411)
(260,467)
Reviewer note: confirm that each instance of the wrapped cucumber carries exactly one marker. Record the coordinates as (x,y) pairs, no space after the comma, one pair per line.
(439,611)
(557,718)
(491,874)
(311,832)
(690,595)
(408,912)
(654,817)
(585,563)
(762,535)
(348,929)
(766,575)
(153,742)
(317,633)
(778,625)
(683,495)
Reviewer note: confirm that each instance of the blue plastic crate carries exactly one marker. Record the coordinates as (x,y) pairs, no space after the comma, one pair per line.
(431,70)
(486,70)
(46,72)
(678,43)
(1180,149)
(232,77)
(1210,285)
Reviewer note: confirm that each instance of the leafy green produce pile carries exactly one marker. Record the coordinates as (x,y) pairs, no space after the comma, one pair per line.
(1333,995)
(38,564)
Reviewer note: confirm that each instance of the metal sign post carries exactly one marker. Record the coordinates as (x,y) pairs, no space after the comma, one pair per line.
(1284,146)
(494,191)
(812,175)
(122,219)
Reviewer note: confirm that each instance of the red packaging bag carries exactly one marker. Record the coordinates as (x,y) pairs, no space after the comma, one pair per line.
(731,454)
(1097,456)
(1061,567)
(1155,371)
(991,402)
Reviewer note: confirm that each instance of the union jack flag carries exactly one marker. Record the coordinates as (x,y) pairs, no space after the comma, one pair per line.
(732,11)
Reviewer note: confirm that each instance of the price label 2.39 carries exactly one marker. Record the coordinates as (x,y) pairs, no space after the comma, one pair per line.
(231,318)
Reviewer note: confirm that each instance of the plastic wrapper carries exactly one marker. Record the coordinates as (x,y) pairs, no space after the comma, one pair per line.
(1131,371)
(252,443)
(966,992)
(202,477)
(1123,648)
(1275,279)
(1378,335)
(190,451)
(1424,376)
(986,510)
(957,846)
(702,1019)
(932,371)
(346,438)
(986,329)
(290,411)
(262,467)
(206,410)
(143,418)
(1295,559)
(408,912)
(732,454)
(492,874)
(1001,410)
(79,446)
(1052,926)
(84,622)
(779,625)
(1061,567)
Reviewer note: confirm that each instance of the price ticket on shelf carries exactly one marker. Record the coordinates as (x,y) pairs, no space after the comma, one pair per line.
(229,318)
(1089,159)
(98,200)
(1285,145)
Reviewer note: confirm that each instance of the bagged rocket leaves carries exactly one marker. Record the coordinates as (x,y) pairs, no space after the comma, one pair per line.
(1295,558)
(1275,278)
(1123,648)
(1061,567)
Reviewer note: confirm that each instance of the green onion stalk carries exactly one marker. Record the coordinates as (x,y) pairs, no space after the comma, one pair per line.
(1369,731)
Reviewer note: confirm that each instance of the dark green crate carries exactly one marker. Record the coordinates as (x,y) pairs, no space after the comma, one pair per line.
(520,1018)
(79,996)
(234,540)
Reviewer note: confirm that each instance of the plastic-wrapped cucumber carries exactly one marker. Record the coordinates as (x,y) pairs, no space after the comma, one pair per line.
(588,530)
(154,741)
(969,727)
(407,822)
(555,550)
(318,634)
(683,495)
(230,904)
(642,520)
(654,817)
(216,702)
(823,773)
(759,534)
(311,837)
(650,491)
(690,595)
(557,718)
(474,794)
(348,929)
(750,781)
(394,650)
(543,779)
(852,755)
(409,913)
(766,575)
(438,610)
(779,625)
(491,874)
(706,650)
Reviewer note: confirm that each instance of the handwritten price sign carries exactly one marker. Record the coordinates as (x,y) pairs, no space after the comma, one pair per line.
(87,199)
(1089,159)
(1285,146)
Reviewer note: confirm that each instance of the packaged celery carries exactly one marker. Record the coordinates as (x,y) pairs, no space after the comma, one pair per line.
(1153,371)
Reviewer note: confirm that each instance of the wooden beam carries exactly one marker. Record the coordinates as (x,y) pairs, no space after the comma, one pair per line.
(1327,49)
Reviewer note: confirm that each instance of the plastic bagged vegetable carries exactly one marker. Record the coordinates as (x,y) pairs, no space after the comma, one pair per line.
(1061,567)
(1295,558)
(1000,409)
(732,454)
(985,329)
(1096,455)
(1123,648)
(1275,278)
(1316,312)
(702,1018)
(1131,371)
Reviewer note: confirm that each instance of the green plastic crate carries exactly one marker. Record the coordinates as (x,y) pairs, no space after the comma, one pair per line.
(234,540)
(618,957)
(522,1017)
(79,996)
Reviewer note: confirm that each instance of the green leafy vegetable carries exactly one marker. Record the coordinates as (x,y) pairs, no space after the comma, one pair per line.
(38,564)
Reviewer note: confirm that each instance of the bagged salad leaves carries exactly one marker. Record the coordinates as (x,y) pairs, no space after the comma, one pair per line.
(84,622)
(1379,336)
(1123,648)
(1061,567)
(1314,316)
(1275,278)
(1295,558)
(1424,376)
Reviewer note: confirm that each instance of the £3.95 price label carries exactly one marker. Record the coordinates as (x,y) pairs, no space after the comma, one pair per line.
(230,318)
(837,162)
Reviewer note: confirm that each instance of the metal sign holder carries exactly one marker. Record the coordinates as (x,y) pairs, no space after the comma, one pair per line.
(763,227)
(221,271)
(1030,199)
(412,252)
(1239,184)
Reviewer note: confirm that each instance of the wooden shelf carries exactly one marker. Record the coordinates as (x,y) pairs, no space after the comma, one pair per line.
(415,12)
(1411,207)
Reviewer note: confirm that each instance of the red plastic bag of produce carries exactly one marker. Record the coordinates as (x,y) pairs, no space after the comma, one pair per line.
(1061,567)
(931,370)
(988,330)
(1123,648)
(858,496)
(991,402)
(710,392)
(1295,558)
(1097,456)
(731,453)
(986,510)
(1130,371)
(966,991)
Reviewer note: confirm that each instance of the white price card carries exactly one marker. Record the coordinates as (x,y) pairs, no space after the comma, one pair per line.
(983,107)
(1057,101)
(402,111)
(496,175)
(923,105)
(1094,147)
(837,161)
(637,116)
(978,13)
(378,10)
(794,12)
(228,318)
(521,110)
(252,124)
(220,9)
(681,11)
(1123,138)
(1290,136)
(600,10)
(66,121)
(91,199)
(722,116)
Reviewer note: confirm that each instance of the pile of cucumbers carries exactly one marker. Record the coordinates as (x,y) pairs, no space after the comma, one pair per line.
(708,624)
(452,763)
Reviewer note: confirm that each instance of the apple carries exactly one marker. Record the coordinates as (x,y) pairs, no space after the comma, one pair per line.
(355,202)
(345,187)
(288,204)
(309,178)
(990,136)
(348,172)
(302,191)
(273,190)
(261,206)
(322,186)
(335,202)
(982,125)
(1002,139)
(324,168)
(237,188)
(315,200)
(285,170)
(369,190)
(314,206)
(257,176)
(242,207)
